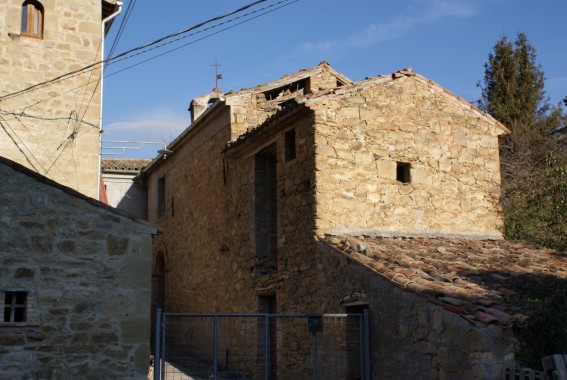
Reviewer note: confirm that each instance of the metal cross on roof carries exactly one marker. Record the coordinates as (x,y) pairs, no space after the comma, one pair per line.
(217,75)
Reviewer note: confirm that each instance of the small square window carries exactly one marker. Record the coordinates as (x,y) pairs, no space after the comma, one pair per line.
(403,172)
(15,306)
(290,145)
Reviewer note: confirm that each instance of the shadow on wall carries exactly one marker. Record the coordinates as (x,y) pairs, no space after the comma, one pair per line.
(134,201)
(543,297)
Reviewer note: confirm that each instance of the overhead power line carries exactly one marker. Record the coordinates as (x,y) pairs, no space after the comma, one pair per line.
(127,13)
(289,2)
(141,47)
(24,114)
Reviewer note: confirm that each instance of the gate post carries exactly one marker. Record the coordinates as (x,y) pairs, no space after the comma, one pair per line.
(314,324)
(366,351)
(267,343)
(215,345)
(157,341)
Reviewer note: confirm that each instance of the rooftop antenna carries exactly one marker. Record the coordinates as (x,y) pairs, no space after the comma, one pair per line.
(217,75)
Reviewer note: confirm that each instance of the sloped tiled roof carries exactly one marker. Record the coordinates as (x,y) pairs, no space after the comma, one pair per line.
(125,164)
(482,280)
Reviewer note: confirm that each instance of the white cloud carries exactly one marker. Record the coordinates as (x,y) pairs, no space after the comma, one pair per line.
(155,125)
(423,12)
(154,130)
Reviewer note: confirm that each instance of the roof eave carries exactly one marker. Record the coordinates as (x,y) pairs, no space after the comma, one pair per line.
(216,107)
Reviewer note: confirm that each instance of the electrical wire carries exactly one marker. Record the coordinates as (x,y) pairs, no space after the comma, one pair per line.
(123,23)
(289,2)
(24,114)
(13,136)
(93,92)
(141,47)
(114,60)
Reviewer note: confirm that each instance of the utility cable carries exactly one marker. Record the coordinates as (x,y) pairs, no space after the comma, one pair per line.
(204,37)
(59,94)
(79,71)
(122,26)
(24,114)
(93,92)
(113,60)
(13,136)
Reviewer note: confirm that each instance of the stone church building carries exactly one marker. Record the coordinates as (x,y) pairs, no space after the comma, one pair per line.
(53,128)
(317,194)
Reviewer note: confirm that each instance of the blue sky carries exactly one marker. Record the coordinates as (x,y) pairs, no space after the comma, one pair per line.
(447,41)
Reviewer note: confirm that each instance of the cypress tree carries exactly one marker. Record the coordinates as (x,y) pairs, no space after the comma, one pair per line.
(533,156)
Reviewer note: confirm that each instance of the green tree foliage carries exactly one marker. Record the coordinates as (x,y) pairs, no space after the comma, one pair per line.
(546,333)
(533,156)
(513,91)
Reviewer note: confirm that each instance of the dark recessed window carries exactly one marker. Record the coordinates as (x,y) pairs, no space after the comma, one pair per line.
(290,145)
(161,197)
(32,19)
(403,172)
(15,306)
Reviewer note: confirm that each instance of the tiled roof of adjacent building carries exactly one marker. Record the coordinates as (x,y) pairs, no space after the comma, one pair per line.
(482,280)
(125,164)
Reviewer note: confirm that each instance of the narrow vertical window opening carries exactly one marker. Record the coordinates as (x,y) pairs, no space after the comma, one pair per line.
(290,145)
(403,173)
(265,209)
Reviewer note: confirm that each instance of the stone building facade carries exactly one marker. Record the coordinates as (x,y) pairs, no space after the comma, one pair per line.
(54,129)
(74,283)
(251,188)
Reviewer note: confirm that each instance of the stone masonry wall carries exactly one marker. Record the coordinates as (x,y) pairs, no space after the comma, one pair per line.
(193,237)
(63,143)
(208,237)
(87,271)
(361,134)
(412,338)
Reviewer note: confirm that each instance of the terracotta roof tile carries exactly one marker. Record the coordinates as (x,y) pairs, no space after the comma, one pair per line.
(479,279)
(125,164)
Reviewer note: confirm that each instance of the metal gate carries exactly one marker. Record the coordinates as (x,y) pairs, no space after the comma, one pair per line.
(194,346)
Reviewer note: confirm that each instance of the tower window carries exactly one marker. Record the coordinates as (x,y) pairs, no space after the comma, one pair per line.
(32,19)
(403,172)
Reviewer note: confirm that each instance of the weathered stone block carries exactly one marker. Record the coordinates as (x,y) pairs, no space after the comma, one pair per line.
(117,245)
(133,329)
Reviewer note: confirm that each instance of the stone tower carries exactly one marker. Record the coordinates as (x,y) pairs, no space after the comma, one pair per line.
(54,127)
